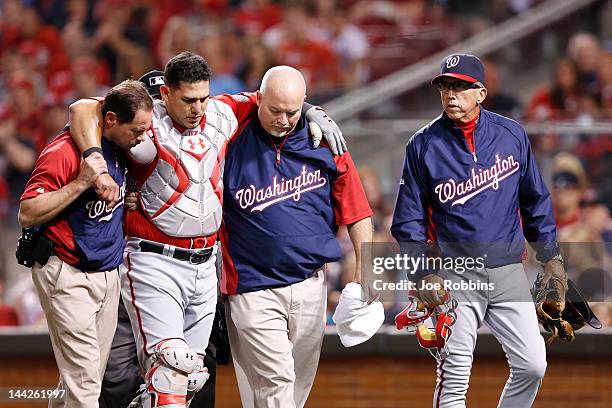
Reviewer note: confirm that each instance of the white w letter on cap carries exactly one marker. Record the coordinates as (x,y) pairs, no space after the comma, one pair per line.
(452,61)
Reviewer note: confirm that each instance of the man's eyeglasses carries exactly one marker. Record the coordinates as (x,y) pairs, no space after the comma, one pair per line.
(459,86)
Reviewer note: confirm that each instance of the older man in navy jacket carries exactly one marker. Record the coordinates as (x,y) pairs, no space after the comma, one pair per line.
(471,187)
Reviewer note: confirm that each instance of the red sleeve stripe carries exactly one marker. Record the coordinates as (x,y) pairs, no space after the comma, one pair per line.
(243,105)
(431,226)
(350,202)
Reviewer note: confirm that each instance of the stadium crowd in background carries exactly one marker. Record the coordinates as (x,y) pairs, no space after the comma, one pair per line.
(54,52)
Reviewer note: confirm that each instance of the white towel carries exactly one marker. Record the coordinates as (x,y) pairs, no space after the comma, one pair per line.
(355,320)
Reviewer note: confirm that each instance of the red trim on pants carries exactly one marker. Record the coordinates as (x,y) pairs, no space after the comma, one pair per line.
(133,295)
(438,397)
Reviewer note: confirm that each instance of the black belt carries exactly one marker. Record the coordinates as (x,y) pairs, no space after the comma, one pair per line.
(194,257)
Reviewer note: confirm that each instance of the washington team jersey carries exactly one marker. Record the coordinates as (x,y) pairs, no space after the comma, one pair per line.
(282,207)
(486,202)
(87,234)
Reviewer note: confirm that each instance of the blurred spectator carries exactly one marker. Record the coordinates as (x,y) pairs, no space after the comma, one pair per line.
(119,39)
(24,105)
(86,75)
(315,59)
(584,50)
(12,10)
(566,195)
(235,48)
(560,101)
(175,38)
(186,30)
(595,284)
(259,58)
(157,18)
(545,147)
(582,250)
(588,109)
(53,12)
(582,243)
(43,42)
(216,53)
(595,213)
(17,157)
(136,62)
(14,64)
(350,44)
(292,12)
(565,161)
(17,294)
(34,59)
(438,29)
(56,116)
(12,61)
(385,34)
(605,75)
(497,99)
(569,182)
(253,17)
(382,212)
(79,27)
(8,314)
(24,300)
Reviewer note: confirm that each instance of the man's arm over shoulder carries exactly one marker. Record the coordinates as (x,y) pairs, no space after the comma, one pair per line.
(242,105)
(85,121)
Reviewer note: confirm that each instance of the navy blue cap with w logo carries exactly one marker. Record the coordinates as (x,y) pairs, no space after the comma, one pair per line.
(466,67)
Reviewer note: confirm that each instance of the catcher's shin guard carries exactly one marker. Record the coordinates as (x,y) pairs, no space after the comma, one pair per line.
(167,378)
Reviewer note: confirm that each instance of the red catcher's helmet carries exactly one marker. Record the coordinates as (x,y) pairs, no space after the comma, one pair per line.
(413,318)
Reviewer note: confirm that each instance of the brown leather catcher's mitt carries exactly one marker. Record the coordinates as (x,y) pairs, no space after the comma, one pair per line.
(561,308)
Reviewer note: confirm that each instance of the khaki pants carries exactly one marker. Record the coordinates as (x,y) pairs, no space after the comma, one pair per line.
(276,337)
(81,310)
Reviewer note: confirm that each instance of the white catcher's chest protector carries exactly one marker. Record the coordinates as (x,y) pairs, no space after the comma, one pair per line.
(182,195)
